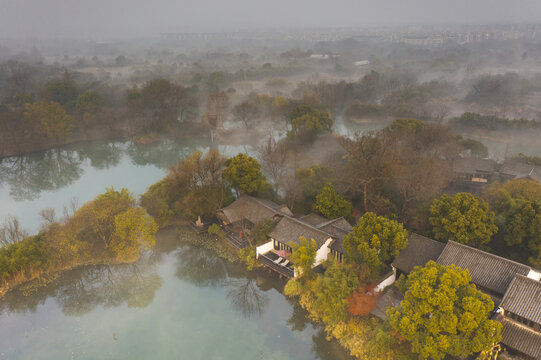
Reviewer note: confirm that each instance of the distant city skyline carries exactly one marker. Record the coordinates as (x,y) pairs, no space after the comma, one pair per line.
(132,18)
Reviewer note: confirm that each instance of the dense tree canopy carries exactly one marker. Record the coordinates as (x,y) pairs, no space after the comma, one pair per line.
(375,241)
(517,204)
(330,204)
(464,218)
(243,173)
(444,314)
(313,179)
(62,91)
(51,118)
(194,187)
(332,290)
(303,256)
(109,228)
(261,230)
(89,102)
(308,121)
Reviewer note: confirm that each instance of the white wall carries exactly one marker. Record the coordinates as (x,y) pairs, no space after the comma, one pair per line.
(534,275)
(263,249)
(388,281)
(323,252)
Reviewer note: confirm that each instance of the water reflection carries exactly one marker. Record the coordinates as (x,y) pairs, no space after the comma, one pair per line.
(299,318)
(200,267)
(29,175)
(162,154)
(101,155)
(80,291)
(158,283)
(246,297)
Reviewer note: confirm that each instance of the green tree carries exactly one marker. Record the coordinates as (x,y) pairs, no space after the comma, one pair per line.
(303,256)
(517,204)
(89,102)
(401,125)
(330,204)
(309,121)
(332,290)
(375,241)
(476,148)
(313,179)
(52,119)
(444,314)
(464,218)
(261,230)
(243,173)
(62,91)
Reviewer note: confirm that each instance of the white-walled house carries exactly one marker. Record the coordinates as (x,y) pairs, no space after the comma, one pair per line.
(247,211)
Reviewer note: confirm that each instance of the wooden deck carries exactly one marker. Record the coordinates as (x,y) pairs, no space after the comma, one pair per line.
(282,270)
(234,239)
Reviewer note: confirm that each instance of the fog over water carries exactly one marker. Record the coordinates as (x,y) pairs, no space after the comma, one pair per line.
(127,18)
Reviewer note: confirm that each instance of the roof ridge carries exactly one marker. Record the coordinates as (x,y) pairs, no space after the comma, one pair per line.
(526,278)
(262,203)
(483,252)
(305,225)
(329,222)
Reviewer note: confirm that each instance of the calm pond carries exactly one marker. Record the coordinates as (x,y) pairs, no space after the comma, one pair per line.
(179,302)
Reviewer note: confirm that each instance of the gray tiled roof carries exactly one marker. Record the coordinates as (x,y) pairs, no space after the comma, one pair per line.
(252,209)
(313,219)
(487,270)
(520,170)
(389,299)
(521,338)
(290,229)
(474,165)
(418,252)
(338,228)
(524,298)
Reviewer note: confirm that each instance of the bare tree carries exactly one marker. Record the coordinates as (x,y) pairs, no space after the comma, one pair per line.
(48,215)
(245,111)
(11,231)
(273,156)
(70,209)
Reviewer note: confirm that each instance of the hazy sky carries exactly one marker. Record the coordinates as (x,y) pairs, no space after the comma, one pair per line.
(121,18)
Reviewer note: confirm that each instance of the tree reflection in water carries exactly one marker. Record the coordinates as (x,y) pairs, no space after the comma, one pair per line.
(200,266)
(101,155)
(328,350)
(79,291)
(246,297)
(29,175)
(162,154)
(299,317)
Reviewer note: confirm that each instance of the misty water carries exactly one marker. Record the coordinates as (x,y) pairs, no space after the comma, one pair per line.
(57,177)
(180,302)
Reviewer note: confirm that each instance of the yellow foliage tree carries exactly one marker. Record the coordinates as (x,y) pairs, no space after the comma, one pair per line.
(134,228)
(52,119)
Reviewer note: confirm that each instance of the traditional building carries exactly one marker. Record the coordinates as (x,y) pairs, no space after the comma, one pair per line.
(245,212)
(515,288)
(517,170)
(491,274)
(473,170)
(418,252)
(520,315)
